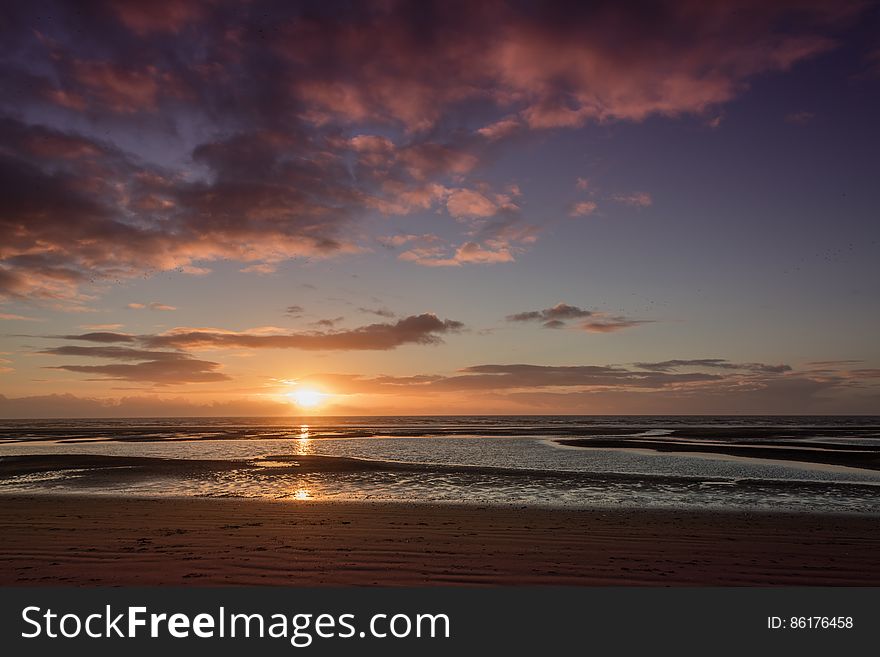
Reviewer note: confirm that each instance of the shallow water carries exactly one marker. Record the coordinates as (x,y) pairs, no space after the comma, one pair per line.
(501,460)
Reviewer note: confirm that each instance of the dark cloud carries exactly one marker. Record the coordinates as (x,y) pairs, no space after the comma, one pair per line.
(424,329)
(117,353)
(610,323)
(530,376)
(544,64)
(564,62)
(163,372)
(328,322)
(162,358)
(294,310)
(800,118)
(68,406)
(706,377)
(794,395)
(379,312)
(559,315)
(501,387)
(157,367)
(153,305)
(101,336)
(713,363)
(866,373)
(310,117)
(552,317)
(527,316)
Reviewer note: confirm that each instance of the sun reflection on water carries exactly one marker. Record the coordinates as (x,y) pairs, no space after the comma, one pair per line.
(302,442)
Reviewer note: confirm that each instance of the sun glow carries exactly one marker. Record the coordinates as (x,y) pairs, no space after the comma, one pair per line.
(306,397)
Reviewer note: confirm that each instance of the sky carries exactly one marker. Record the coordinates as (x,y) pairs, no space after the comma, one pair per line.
(380,208)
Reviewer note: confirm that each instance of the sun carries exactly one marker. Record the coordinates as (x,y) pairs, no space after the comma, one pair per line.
(306,397)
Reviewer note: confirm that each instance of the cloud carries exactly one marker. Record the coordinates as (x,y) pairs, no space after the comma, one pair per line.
(12,317)
(583,208)
(100,336)
(379,312)
(603,323)
(158,367)
(294,310)
(122,89)
(501,128)
(588,207)
(467,253)
(713,363)
(116,353)
(162,372)
(497,377)
(162,359)
(101,327)
(834,363)
(496,241)
(492,239)
(554,62)
(105,215)
(260,268)
(313,124)
(710,385)
(503,378)
(800,118)
(69,406)
(561,314)
(499,388)
(507,389)
(560,311)
(153,305)
(329,322)
(635,199)
(430,159)
(470,203)
(158,16)
(424,329)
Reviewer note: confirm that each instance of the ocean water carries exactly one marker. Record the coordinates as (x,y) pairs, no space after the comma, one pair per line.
(818,464)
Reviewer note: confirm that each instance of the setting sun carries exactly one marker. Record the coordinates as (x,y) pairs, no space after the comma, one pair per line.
(306,398)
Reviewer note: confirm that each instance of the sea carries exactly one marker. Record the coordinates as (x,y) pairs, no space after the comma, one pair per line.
(794,464)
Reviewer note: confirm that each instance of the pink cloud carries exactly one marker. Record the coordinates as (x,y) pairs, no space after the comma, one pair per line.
(469,203)
(343,118)
(467,253)
(153,305)
(156,16)
(583,208)
(636,199)
(12,317)
(425,329)
(602,323)
(121,89)
(559,72)
(499,129)
(800,118)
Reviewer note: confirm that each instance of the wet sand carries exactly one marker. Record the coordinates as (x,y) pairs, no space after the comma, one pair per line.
(851,456)
(104,541)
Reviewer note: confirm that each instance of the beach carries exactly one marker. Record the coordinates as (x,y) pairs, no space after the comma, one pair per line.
(441,501)
(117,541)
